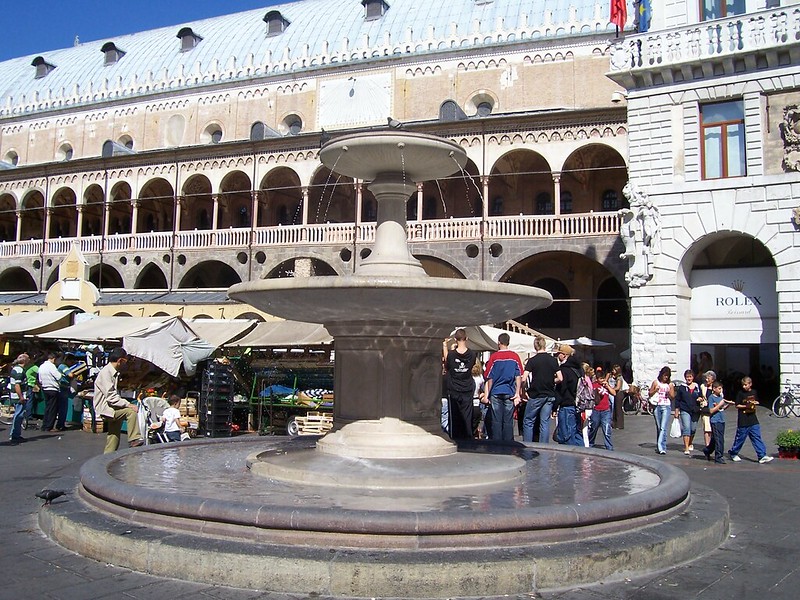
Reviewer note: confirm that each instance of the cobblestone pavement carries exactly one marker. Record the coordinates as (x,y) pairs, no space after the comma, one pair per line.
(759,560)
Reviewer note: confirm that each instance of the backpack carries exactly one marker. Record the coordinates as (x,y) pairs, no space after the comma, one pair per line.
(584,396)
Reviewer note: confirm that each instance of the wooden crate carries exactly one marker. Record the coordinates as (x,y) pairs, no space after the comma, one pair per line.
(314,423)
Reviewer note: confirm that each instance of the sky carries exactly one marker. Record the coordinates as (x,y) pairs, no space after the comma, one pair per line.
(36,26)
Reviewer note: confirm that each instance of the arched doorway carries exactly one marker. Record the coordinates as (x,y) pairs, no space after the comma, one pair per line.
(732,324)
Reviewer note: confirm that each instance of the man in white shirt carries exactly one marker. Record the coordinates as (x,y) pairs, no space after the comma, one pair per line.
(112,407)
(50,382)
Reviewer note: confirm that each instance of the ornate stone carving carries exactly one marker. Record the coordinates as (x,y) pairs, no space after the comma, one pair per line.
(790,132)
(641,233)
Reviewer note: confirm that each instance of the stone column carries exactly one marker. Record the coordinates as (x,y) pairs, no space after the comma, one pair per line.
(134,215)
(19,225)
(358,185)
(557,193)
(178,211)
(420,200)
(485,207)
(254,211)
(48,213)
(304,189)
(391,255)
(215,213)
(80,208)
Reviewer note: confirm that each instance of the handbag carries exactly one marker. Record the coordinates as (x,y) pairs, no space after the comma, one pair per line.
(675,429)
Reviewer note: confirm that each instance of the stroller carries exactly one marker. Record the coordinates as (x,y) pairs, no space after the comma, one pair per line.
(151,409)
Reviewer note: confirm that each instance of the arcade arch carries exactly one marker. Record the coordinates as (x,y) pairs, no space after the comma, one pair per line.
(209,274)
(17,279)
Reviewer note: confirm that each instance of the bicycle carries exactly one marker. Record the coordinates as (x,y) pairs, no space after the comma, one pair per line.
(635,401)
(788,401)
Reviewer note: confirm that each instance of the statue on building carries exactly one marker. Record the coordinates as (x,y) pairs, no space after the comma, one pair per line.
(790,132)
(641,234)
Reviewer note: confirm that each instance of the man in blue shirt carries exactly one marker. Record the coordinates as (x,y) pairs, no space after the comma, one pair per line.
(503,380)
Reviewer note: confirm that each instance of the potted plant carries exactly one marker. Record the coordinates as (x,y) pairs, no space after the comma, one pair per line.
(788,442)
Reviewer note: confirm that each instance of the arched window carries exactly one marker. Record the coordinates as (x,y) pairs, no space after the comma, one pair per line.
(566,202)
(111,53)
(42,67)
(276,23)
(610,200)
(189,39)
(544,204)
(374,9)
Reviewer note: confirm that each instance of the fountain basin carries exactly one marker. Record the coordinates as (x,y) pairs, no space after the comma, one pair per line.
(193,511)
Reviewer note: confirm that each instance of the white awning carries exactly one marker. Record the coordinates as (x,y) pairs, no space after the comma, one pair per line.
(283,334)
(484,338)
(102,329)
(219,332)
(32,323)
(169,345)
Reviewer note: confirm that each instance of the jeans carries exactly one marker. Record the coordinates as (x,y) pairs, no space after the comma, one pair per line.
(688,424)
(601,419)
(754,433)
(661,414)
(502,426)
(568,431)
(542,408)
(16,421)
(717,445)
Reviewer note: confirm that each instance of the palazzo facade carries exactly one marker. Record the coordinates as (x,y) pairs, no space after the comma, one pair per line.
(183,160)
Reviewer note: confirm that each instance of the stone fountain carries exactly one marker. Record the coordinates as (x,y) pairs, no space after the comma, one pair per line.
(385,505)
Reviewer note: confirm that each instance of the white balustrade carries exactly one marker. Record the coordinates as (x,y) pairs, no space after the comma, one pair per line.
(764,30)
(30,248)
(436,230)
(8,249)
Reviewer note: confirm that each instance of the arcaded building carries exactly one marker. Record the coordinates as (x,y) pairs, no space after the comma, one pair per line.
(182,160)
(714,145)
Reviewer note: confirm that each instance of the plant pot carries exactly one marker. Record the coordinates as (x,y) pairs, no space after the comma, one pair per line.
(790,453)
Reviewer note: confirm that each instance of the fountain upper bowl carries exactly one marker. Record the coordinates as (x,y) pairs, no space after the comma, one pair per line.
(418,157)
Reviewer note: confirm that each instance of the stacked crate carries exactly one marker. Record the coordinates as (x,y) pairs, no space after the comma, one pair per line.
(216,400)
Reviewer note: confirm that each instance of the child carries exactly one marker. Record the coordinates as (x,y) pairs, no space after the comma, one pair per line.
(747,424)
(171,420)
(601,413)
(716,405)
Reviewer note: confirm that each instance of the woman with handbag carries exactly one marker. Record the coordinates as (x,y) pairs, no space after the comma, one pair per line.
(662,392)
(687,410)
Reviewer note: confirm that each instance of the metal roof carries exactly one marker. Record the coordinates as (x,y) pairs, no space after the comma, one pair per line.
(236,47)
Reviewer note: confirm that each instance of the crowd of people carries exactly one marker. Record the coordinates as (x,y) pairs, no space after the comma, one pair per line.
(539,397)
(555,397)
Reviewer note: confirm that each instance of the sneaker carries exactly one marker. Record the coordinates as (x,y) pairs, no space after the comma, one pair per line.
(691,448)
(720,461)
(687,452)
(766,459)
(662,451)
(735,458)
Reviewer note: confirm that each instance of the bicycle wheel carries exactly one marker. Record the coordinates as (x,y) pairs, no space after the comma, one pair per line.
(781,406)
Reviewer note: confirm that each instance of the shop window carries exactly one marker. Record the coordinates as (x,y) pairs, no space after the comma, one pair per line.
(722,132)
(719,9)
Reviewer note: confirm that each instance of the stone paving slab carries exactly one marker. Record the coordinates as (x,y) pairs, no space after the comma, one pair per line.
(760,560)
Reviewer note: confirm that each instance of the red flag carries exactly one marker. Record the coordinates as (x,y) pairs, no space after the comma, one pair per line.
(619,13)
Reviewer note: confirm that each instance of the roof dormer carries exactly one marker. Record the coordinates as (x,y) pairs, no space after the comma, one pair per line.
(276,22)
(111,53)
(374,9)
(42,66)
(189,39)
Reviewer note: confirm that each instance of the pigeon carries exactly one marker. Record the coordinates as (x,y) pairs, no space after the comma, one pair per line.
(49,495)
(324,137)
(394,123)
